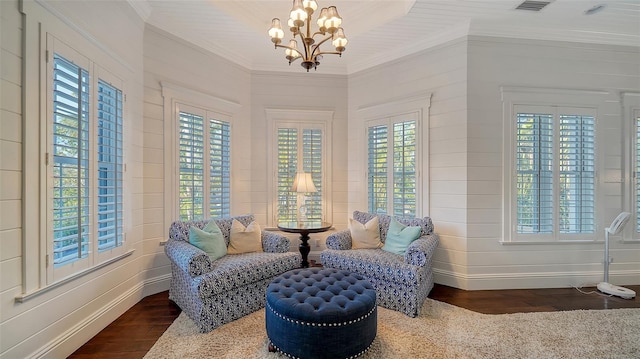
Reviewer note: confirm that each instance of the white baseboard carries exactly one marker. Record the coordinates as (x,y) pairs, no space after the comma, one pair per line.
(156,285)
(73,338)
(531,280)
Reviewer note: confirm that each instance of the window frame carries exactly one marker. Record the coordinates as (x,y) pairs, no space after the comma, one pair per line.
(176,97)
(389,123)
(309,119)
(38,57)
(588,102)
(207,116)
(555,112)
(418,104)
(95,258)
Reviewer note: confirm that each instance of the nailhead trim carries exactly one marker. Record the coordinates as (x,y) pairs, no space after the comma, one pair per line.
(312,324)
(294,357)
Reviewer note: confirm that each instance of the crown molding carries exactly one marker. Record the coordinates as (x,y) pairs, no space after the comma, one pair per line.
(142,8)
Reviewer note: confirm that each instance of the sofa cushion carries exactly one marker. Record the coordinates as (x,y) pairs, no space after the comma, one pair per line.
(375,263)
(399,237)
(179,230)
(365,235)
(232,271)
(424,223)
(209,239)
(244,239)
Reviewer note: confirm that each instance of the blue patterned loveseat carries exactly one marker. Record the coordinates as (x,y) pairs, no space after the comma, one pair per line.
(213,293)
(402,283)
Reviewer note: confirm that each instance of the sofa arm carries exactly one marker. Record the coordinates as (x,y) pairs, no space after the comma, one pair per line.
(339,240)
(274,242)
(421,250)
(188,258)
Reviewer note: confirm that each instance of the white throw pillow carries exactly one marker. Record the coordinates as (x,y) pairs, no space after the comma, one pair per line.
(244,239)
(366,235)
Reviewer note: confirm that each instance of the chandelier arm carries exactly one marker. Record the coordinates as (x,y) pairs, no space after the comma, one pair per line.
(287,47)
(329,53)
(313,54)
(306,46)
(319,33)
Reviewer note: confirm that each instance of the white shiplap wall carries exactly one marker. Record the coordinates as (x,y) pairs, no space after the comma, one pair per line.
(175,63)
(496,62)
(54,323)
(463,146)
(10,149)
(442,72)
(299,90)
(295,89)
(465,153)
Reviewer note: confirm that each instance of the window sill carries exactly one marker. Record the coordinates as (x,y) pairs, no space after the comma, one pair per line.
(24,297)
(578,241)
(630,241)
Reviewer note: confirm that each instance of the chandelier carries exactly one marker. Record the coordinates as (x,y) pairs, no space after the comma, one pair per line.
(300,17)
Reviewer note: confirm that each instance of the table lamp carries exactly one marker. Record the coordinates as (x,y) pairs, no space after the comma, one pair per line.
(302,184)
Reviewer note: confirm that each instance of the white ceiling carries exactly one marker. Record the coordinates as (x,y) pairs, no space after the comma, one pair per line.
(383,30)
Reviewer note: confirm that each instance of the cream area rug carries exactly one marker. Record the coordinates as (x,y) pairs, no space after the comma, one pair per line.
(441,331)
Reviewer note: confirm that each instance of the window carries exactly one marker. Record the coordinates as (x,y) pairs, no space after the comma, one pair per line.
(554,171)
(204,165)
(198,153)
(86,164)
(300,149)
(391,166)
(298,141)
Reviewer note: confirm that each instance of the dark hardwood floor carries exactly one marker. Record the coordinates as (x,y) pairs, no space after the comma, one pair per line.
(135,332)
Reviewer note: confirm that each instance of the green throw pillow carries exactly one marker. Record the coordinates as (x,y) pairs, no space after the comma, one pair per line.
(399,237)
(209,239)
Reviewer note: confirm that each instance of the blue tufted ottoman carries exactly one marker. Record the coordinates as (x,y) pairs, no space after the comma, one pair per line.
(321,313)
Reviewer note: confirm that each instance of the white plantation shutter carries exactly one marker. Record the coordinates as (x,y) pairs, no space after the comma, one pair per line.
(287,167)
(534,172)
(300,148)
(312,163)
(191,167)
(220,169)
(110,167)
(391,167)
(555,172)
(204,167)
(82,200)
(577,174)
(377,168)
(404,169)
(70,162)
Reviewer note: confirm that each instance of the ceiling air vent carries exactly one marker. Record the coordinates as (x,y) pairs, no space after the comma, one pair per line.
(533,5)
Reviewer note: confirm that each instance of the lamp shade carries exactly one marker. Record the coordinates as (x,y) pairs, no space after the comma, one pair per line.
(303,183)
(276,31)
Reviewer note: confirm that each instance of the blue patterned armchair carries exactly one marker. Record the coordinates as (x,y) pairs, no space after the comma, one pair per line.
(213,293)
(402,283)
